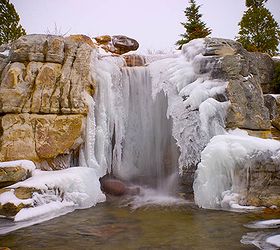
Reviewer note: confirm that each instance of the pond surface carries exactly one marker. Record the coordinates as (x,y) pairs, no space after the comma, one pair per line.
(110,226)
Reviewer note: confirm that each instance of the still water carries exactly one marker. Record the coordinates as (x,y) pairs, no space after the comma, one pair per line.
(112,226)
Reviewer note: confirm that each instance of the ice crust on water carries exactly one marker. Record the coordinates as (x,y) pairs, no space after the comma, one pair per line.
(274,240)
(215,184)
(274,223)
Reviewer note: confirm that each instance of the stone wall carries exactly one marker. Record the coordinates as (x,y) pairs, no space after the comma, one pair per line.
(44,80)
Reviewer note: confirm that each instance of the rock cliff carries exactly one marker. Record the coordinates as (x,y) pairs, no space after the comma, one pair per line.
(44,80)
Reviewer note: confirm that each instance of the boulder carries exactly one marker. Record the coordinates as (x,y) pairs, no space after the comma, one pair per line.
(245,73)
(10,209)
(124,44)
(11,175)
(117,44)
(113,186)
(46,74)
(37,137)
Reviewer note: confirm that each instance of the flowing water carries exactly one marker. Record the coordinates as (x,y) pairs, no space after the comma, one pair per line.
(112,226)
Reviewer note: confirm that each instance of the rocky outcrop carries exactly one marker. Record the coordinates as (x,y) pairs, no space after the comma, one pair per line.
(44,80)
(117,44)
(39,137)
(259,180)
(272,102)
(46,74)
(245,72)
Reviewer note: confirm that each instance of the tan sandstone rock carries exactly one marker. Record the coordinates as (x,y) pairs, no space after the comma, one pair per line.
(46,74)
(11,175)
(37,137)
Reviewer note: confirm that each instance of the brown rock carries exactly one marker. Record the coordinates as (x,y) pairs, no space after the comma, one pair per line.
(103,39)
(25,192)
(10,209)
(113,187)
(134,60)
(11,175)
(37,137)
(46,74)
(124,44)
(82,39)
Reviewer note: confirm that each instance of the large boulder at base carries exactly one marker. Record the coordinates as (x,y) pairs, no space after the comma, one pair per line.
(112,186)
(245,72)
(259,180)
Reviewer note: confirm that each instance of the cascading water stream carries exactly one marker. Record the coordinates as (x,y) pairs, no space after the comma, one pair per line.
(148,150)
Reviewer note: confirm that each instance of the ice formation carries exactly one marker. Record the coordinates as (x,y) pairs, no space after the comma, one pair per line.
(197,115)
(75,187)
(215,184)
(139,111)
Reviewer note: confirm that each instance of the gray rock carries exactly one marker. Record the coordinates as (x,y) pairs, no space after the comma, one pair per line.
(259,177)
(124,44)
(245,73)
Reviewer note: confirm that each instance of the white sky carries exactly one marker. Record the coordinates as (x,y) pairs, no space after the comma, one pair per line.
(155,24)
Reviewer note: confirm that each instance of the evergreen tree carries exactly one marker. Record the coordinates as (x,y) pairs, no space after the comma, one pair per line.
(10,29)
(195,28)
(258,29)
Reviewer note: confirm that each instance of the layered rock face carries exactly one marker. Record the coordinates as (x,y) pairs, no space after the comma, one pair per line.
(44,80)
(245,72)
(259,185)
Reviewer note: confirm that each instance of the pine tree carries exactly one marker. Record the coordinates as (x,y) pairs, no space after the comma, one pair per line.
(10,29)
(195,28)
(258,29)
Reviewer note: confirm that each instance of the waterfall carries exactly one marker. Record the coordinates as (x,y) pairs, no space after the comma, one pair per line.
(147,149)
(133,134)
(144,115)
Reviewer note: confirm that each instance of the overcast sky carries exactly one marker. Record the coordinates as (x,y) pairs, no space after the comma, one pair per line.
(155,24)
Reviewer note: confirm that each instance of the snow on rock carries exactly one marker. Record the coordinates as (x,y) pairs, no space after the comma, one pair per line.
(215,184)
(9,197)
(77,187)
(26,164)
(192,100)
